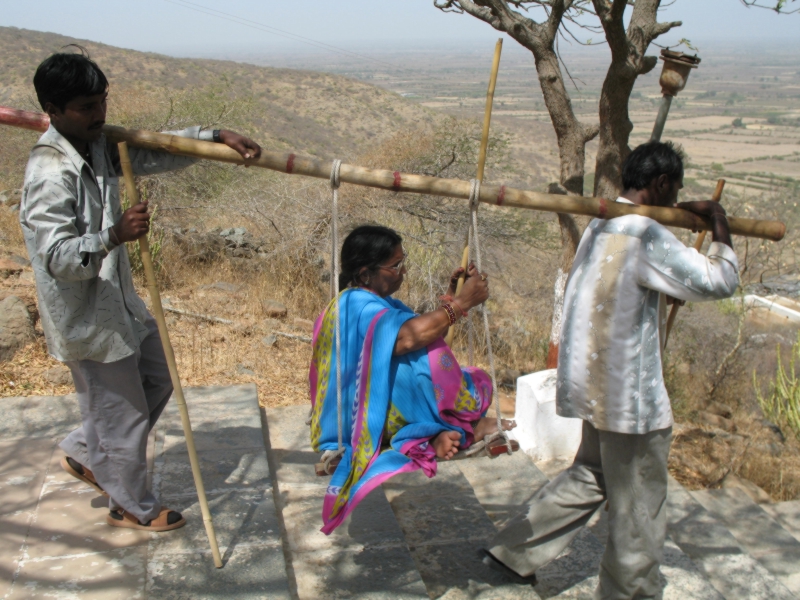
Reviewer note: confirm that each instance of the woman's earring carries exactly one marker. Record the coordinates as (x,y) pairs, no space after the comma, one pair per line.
(367,281)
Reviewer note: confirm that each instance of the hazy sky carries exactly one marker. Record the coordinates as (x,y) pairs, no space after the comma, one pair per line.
(172,27)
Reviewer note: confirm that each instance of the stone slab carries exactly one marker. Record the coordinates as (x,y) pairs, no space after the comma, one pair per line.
(222,434)
(503,485)
(680,579)
(439,510)
(445,526)
(23,468)
(757,532)
(366,557)
(371,525)
(506,486)
(67,523)
(114,575)
(243,470)
(250,573)
(54,542)
(787,514)
(367,574)
(240,518)
(716,552)
(39,416)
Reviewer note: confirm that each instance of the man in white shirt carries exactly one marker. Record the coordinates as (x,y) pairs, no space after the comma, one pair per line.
(625,272)
(93,320)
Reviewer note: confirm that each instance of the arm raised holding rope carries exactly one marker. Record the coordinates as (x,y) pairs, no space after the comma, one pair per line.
(426,328)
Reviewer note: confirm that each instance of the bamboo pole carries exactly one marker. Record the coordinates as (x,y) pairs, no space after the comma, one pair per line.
(698,244)
(498,195)
(487,119)
(158,312)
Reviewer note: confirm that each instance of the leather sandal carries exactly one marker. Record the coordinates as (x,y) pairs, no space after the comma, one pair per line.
(77,470)
(167,520)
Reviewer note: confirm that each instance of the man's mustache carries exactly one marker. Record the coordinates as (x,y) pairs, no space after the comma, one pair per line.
(97,125)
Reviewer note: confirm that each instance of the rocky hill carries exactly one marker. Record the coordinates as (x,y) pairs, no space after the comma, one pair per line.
(309,112)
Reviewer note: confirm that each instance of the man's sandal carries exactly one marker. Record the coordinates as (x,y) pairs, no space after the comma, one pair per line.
(77,470)
(167,520)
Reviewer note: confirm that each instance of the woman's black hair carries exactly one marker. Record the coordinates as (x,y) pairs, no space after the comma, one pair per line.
(650,160)
(64,76)
(366,246)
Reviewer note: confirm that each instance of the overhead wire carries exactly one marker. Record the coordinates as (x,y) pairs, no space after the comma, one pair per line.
(278,32)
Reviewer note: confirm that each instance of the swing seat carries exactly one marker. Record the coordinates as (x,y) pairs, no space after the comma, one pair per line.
(492,447)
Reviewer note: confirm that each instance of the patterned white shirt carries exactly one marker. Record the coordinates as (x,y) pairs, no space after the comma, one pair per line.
(88,304)
(609,362)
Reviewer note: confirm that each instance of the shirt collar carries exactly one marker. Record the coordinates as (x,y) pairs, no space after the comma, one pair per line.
(54,139)
(623,200)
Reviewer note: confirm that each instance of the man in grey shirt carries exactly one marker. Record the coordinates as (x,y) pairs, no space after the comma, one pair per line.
(609,374)
(93,320)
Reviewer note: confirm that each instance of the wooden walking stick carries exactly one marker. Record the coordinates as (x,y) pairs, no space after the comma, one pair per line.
(158,312)
(487,119)
(698,244)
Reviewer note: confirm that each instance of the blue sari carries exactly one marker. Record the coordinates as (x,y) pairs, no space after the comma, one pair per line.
(392,406)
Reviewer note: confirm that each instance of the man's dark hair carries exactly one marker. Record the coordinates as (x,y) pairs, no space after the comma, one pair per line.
(650,160)
(366,246)
(64,76)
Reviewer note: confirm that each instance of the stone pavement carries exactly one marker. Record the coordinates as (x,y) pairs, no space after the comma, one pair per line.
(55,542)
(416,539)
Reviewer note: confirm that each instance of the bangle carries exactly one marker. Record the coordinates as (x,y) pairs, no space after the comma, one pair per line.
(112,235)
(451,314)
(216,137)
(461,310)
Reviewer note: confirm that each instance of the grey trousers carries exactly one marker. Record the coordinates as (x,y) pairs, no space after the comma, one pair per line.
(120,403)
(630,471)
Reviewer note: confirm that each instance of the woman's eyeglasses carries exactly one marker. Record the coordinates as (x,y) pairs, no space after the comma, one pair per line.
(398,267)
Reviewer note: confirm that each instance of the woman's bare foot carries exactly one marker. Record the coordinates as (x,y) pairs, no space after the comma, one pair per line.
(488,426)
(446,444)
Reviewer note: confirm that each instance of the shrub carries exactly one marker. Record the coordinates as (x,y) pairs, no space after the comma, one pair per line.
(782,404)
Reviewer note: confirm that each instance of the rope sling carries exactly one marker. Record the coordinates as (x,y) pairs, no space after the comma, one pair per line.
(330,458)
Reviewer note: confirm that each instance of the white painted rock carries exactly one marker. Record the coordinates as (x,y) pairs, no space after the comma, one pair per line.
(541,433)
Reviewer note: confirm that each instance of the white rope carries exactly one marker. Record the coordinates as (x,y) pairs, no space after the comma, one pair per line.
(474,238)
(336,268)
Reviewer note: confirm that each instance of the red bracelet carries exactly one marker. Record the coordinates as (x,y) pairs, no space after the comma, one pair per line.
(463,312)
(451,314)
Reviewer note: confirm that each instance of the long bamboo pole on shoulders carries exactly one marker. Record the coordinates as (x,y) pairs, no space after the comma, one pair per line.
(158,313)
(498,195)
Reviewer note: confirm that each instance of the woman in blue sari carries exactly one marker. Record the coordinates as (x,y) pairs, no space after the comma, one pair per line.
(405,399)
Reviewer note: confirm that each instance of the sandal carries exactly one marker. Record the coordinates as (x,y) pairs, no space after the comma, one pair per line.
(167,520)
(77,470)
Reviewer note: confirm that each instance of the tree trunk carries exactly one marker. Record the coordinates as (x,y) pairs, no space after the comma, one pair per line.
(628,61)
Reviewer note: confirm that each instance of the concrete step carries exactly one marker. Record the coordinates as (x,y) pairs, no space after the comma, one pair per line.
(787,514)
(445,526)
(715,551)
(365,558)
(504,486)
(231,449)
(54,540)
(757,532)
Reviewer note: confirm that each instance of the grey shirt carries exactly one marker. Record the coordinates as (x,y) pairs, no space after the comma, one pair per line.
(88,304)
(609,361)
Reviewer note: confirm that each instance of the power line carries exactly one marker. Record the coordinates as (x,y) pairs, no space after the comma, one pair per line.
(278,32)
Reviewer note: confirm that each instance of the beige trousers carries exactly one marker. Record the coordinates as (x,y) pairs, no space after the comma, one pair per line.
(630,471)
